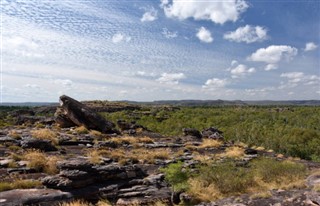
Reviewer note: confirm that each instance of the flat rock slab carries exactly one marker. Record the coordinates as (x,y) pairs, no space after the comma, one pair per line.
(33,197)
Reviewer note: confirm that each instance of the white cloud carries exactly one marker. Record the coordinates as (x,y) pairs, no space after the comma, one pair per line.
(64,82)
(145,74)
(310,46)
(215,83)
(248,34)
(293,76)
(234,62)
(32,86)
(168,34)
(241,71)
(273,54)
(149,15)
(270,67)
(171,78)
(204,35)
(217,11)
(118,37)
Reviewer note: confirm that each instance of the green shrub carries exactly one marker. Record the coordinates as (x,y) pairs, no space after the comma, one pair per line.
(270,170)
(176,176)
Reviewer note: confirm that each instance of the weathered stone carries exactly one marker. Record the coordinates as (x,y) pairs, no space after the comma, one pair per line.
(212,133)
(75,164)
(41,144)
(41,197)
(192,132)
(62,119)
(81,115)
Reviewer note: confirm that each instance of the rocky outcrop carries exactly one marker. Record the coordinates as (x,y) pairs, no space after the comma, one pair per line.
(41,144)
(130,127)
(212,133)
(72,111)
(123,184)
(191,132)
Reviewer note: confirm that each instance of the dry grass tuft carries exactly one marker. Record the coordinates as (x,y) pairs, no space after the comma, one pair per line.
(19,184)
(81,130)
(40,162)
(123,156)
(234,152)
(96,133)
(203,191)
(94,156)
(209,143)
(14,134)
(76,203)
(46,134)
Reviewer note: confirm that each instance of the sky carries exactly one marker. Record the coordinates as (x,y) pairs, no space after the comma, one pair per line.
(160,50)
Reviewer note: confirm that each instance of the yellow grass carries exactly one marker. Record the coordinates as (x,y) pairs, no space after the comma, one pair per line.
(210,143)
(81,130)
(201,190)
(45,134)
(14,134)
(76,203)
(123,156)
(40,162)
(94,156)
(234,152)
(260,195)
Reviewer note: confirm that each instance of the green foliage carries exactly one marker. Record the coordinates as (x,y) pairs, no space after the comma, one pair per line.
(228,178)
(176,176)
(270,170)
(291,130)
(222,179)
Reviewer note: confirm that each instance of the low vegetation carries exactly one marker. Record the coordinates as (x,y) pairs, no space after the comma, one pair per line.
(221,179)
(41,162)
(292,131)
(46,134)
(19,184)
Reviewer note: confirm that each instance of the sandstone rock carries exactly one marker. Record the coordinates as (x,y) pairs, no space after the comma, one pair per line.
(41,197)
(212,133)
(41,144)
(75,164)
(191,132)
(81,115)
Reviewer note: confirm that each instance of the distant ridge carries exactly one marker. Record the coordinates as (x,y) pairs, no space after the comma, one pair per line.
(190,103)
(226,102)
(28,104)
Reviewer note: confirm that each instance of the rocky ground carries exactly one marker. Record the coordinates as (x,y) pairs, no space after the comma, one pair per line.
(86,157)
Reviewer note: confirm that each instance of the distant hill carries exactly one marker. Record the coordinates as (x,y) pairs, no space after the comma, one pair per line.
(229,103)
(183,103)
(28,104)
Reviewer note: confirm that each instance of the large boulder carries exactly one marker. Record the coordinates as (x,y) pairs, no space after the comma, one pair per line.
(81,115)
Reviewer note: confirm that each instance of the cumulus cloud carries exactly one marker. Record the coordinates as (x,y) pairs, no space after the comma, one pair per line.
(248,34)
(293,76)
(118,37)
(216,11)
(310,46)
(296,78)
(171,78)
(241,70)
(273,54)
(215,83)
(64,82)
(168,34)
(204,35)
(271,67)
(150,15)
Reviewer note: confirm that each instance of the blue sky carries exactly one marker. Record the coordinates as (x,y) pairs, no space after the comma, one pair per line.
(159,50)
